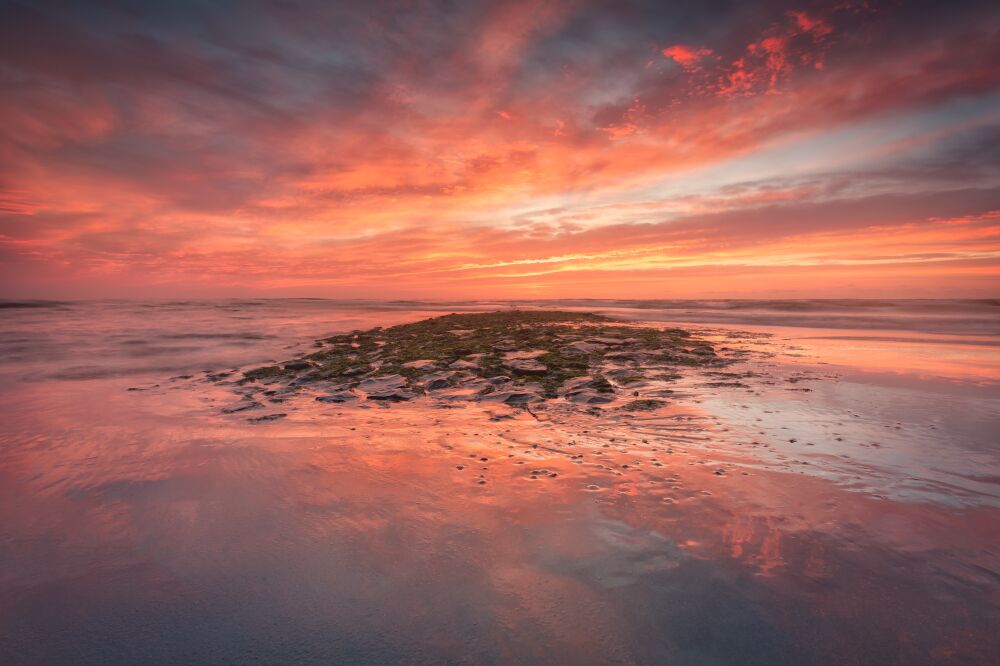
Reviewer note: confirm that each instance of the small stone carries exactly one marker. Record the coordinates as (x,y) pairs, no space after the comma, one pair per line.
(590,398)
(421,364)
(266,418)
(395,395)
(514,397)
(241,406)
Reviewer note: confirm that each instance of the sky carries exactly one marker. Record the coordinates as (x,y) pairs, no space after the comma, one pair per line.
(523,149)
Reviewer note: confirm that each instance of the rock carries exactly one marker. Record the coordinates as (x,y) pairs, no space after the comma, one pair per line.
(624,375)
(343,396)
(422,364)
(585,347)
(392,395)
(524,355)
(387,387)
(436,381)
(241,406)
(298,365)
(383,383)
(465,389)
(514,397)
(627,356)
(266,418)
(642,405)
(307,378)
(464,365)
(526,367)
(589,398)
(606,341)
(461,332)
(436,384)
(576,384)
(354,372)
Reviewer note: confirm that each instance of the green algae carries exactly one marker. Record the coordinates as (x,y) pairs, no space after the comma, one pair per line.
(478,344)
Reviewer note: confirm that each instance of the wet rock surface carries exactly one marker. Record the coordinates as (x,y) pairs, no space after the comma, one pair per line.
(514,358)
(339,397)
(526,367)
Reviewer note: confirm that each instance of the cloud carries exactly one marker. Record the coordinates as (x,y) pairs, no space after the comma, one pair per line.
(321,144)
(686,56)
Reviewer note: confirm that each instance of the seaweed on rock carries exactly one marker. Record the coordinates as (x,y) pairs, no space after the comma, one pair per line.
(551,353)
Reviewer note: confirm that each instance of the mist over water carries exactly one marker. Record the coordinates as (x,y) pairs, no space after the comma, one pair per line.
(834,498)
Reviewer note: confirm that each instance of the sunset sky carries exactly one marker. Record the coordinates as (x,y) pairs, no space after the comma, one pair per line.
(499,149)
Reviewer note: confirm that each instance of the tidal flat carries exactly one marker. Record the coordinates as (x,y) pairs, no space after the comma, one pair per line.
(326,482)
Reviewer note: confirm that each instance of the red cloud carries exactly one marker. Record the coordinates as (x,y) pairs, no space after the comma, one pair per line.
(767,61)
(806,23)
(771,60)
(686,56)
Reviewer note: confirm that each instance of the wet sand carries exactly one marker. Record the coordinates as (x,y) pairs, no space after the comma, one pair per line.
(746,521)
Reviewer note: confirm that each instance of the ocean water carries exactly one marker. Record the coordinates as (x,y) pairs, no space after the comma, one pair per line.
(854,519)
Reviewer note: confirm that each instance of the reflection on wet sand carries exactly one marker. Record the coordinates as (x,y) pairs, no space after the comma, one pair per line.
(424,534)
(744,522)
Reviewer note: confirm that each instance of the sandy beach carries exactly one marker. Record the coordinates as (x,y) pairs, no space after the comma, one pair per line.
(821,492)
